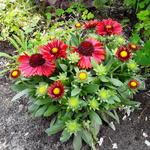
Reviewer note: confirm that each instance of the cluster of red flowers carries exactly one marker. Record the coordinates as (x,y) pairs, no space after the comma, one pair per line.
(43,63)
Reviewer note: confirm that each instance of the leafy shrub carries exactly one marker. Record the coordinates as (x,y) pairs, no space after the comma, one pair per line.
(81,78)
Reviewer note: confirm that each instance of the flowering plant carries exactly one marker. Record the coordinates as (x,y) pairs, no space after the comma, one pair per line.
(81,80)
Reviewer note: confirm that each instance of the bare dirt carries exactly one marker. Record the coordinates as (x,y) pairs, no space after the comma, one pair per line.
(18,131)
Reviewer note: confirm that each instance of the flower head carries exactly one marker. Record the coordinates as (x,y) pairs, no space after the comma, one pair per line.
(94,104)
(123,54)
(91,24)
(78,25)
(73,103)
(73,57)
(42,89)
(15,73)
(55,48)
(82,75)
(132,65)
(133,84)
(90,48)
(108,26)
(73,126)
(36,64)
(104,94)
(133,46)
(56,90)
(62,77)
(100,70)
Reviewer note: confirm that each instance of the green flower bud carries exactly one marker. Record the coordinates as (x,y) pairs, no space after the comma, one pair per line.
(42,89)
(93,104)
(73,57)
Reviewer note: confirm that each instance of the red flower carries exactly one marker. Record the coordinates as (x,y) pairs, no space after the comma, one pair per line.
(133,84)
(56,90)
(123,54)
(55,48)
(15,73)
(90,48)
(36,65)
(133,46)
(108,26)
(78,25)
(91,24)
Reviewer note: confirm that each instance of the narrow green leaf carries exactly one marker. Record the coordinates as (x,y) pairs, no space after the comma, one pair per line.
(65,136)
(63,67)
(6,55)
(14,43)
(116,82)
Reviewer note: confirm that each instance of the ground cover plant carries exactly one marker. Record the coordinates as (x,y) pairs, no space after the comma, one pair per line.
(80,78)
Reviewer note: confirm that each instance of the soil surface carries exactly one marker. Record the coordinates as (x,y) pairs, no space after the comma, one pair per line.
(19,131)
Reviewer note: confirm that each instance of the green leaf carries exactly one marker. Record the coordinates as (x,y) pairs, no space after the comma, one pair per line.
(65,136)
(6,55)
(114,116)
(40,111)
(91,88)
(111,124)
(51,109)
(43,101)
(33,108)
(20,94)
(63,67)
(77,142)
(55,128)
(87,137)
(14,43)
(75,91)
(116,82)
(95,118)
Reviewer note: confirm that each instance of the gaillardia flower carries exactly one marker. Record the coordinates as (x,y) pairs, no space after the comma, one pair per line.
(55,48)
(73,103)
(82,75)
(108,26)
(15,73)
(91,24)
(73,126)
(41,90)
(123,54)
(90,48)
(134,84)
(56,90)
(78,25)
(36,64)
(133,47)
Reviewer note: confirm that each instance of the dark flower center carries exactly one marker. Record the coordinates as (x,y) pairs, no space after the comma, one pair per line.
(86,48)
(36,60)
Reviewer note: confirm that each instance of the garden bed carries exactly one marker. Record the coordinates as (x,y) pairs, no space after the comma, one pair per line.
(18,131)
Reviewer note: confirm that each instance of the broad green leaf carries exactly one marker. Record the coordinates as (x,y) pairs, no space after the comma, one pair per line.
(20,94)
(40,111)
(116,82)
(33,108)
(91,88)
(63,67)
(65,136)
(75,91)
(42,101)
(77,142)
(51,109)
(55,128)
(95,118)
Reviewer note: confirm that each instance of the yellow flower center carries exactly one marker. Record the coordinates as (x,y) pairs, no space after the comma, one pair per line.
(56,91)
(133,46)
(92,23)
(133,66)
(94,104)
(133,83)
(54,50)
(78,25)
(83,75)
(124,54)
(73,102)
(52,37)
(42,90)
(103,94)
(14,73)
(72,127)
(108,26)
